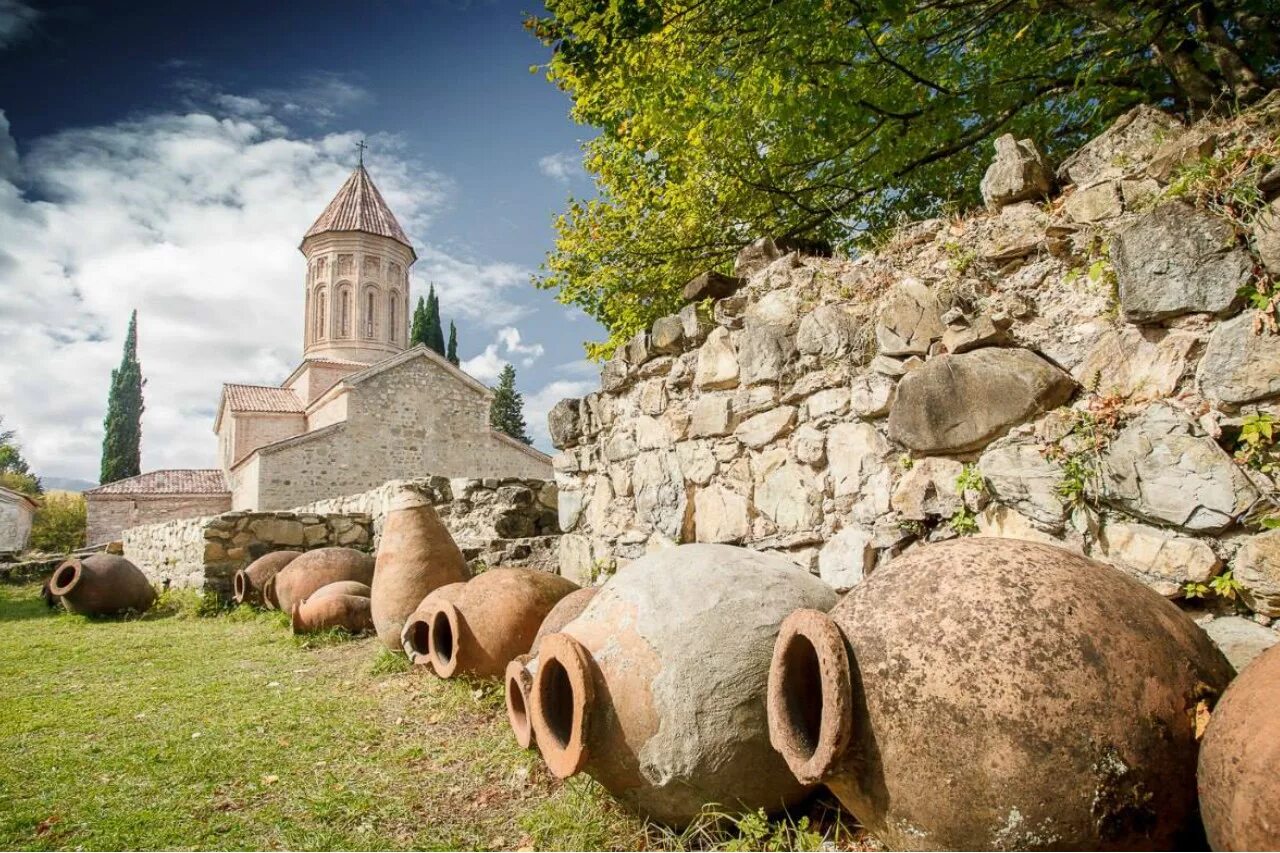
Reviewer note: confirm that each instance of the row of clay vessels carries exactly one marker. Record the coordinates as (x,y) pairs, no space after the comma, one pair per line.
(974,694)
(320,589)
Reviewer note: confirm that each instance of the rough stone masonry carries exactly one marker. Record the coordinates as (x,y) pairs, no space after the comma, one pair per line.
(1074,368)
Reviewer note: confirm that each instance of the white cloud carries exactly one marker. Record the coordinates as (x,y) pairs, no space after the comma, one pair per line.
(507,348)
(563,166)
(17,21)
(539,403)
(477,290)
(195,220)
(317,97)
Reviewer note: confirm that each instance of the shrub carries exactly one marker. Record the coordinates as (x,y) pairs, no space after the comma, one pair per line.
(59,524)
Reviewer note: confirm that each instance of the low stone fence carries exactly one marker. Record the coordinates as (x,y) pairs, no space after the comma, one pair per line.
(207,552)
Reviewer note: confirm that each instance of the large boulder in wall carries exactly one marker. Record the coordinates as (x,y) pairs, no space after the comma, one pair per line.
(961,402)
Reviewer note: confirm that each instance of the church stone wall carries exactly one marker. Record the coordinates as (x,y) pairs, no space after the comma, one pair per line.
(110,515)
(332,411)
(256,429)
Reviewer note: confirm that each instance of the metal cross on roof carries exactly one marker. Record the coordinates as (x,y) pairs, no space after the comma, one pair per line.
(361,146)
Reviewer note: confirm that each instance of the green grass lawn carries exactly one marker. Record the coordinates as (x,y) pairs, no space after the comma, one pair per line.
(226,732)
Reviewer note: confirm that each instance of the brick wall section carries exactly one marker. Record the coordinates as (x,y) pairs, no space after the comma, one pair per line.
(110,515)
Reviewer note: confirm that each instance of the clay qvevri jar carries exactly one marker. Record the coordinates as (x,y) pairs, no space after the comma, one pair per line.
(249,582)
(416,555)
(1239,773)
(333,610)
(415,636)
(101,585)
(305,574)
(492,620)
(519,673)
(360,590)
(994,694)
(657,690)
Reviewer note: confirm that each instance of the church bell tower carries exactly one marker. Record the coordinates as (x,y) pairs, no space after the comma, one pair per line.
(358,260)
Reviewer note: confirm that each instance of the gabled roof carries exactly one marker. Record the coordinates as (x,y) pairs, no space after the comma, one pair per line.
(261,398)
(168,481)
(18,497)
(359,206)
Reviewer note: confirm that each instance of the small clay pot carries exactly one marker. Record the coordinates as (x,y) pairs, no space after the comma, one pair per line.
(992,694)
(657,689)
(250,581)
(415,636)
(416,555)
(493,619)
(1239,772)
(333,610)
(519,673)
(305,574)
(101,585)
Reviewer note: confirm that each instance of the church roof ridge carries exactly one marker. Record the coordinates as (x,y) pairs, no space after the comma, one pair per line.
(260,398)
(359,206)
(167,481)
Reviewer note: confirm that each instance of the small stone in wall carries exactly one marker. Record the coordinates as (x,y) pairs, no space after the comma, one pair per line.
(858,460)
(928,490)
(653,397)
(712,416)
(1181,150)
(1017,173)
(563,423)
(1158,468)
(697,462)
(1158,559)
(651,433)
(1138,364)
(569,509)
(1018,231)
(1178,260)
(660,497)
(981,331)
(773,308)
(696,324)
(668,334)
(809,445)
(1240,640)
(1095,204)
(847,558)
(1019,476)
(1257,568)
(717,362)
(755,256)
(909,321)
(764,354)
(830,331)
(720,515)
(1266,237)
(789,495)
(767,427)
(614,375)
(711,285)
(1001,522)
(827,404)
(1123,149)
(620,445)
(871,395)
(956,403)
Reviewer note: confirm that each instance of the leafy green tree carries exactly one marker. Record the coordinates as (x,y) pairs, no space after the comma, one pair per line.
(451,352)
(506,412)
(59,524)
(418,328)
(724,120)
(14,472)
(434,335)
(122,443)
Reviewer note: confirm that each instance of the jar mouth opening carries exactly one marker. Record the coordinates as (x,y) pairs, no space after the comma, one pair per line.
(810,721)
(66,577)
(562,695)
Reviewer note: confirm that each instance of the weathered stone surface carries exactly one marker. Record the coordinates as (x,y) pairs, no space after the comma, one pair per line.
(765,428)
(668,334)
(828,331)
(755,256)
(1240,640)
(1159,469)
(614,375)
(1001,522)
(871,395)
(696,324)
(1018,231)
(570,508)
(1257,567)
(652,434)
(1240,365)
(659,492)
(722,515)
(928,490)
(637,350)
(773,308)
(1096,203)
(1180,150)
(909,321)
(960,402)
(1123,149)
(1137,193)
(787,494)
(847,558)
(712,416)
(1266,237)
(621,445)
(964,334)
(857,458)
(711,285)
(1017,173)
(1140,364)
(764,353)
(563,423)
(809,445)
(696,461)
(1019,476)
(652,398)
(717,362)
(1162,561)
(1177,260)
(826,404)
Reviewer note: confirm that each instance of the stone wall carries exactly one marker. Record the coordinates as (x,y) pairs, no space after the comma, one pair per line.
(16,515)
(207,552)
(109,515)
(1075,369)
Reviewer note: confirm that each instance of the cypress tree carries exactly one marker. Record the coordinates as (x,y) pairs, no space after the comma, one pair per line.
(506,412)
(418,330)
(452,352)
(122,442)
(434,331)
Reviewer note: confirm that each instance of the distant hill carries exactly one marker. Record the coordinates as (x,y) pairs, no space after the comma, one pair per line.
(67,484)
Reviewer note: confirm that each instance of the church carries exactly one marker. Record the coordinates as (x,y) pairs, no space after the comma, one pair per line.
(360,409)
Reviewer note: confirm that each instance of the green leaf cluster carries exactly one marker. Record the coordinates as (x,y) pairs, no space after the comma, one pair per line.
(122,441)
(724,120)
(15,474)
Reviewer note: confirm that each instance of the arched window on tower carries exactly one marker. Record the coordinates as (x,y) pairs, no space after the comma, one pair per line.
(392,316)
(368,314)
(319,327)
(344,312)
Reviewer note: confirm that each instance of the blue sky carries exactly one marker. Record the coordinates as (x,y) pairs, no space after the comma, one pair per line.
(171,155)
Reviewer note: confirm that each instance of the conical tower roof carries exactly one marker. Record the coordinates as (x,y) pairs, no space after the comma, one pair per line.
(359,206)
